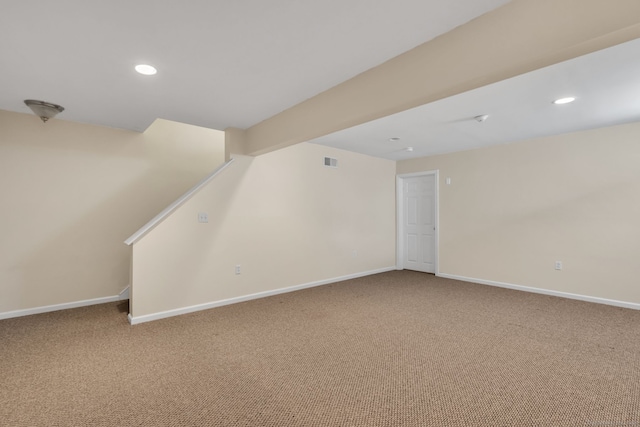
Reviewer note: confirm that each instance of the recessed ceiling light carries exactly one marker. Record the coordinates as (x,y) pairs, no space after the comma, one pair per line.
(481,118)
(394,139)
(566,100)
(145,69)
(408,149)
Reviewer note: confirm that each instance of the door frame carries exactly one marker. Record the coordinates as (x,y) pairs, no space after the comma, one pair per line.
(400,214)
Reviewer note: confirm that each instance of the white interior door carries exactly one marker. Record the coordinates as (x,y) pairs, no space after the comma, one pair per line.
(419,223)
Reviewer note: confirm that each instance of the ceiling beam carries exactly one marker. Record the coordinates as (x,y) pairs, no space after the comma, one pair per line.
(522,36)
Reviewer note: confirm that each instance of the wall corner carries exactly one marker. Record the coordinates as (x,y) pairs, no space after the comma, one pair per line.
(234,142)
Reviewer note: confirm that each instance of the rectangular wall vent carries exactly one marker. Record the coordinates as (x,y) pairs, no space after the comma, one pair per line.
(330,162)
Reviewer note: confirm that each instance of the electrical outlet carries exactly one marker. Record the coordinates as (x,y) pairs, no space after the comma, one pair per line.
(203,217)
(238,269)
(558,265)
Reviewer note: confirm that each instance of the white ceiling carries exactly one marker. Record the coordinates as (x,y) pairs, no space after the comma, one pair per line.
(220,63)
(606,84)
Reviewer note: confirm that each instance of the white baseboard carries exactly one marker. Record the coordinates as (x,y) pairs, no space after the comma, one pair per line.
(56,307)
(178,311)
(124,294)
(587,298)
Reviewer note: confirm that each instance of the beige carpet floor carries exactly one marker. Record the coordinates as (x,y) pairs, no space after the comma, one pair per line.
(394,349)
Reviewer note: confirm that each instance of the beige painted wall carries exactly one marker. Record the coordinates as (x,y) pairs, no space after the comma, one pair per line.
(521,36)
(284,217)
(72,193)
(512,210)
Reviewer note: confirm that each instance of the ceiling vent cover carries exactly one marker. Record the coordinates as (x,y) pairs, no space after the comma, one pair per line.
(330,162)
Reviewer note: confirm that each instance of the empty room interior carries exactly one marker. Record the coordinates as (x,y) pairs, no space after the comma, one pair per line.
(285,213)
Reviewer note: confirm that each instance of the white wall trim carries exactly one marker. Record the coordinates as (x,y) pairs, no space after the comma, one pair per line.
(56,307)
(587,298)
(175,205)
(176,312)
(124,294)
(400,214)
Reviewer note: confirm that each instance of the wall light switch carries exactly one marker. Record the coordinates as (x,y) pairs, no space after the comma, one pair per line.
(203,217)
(448,181)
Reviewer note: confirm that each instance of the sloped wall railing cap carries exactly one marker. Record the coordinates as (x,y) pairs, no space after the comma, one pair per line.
(175,205)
